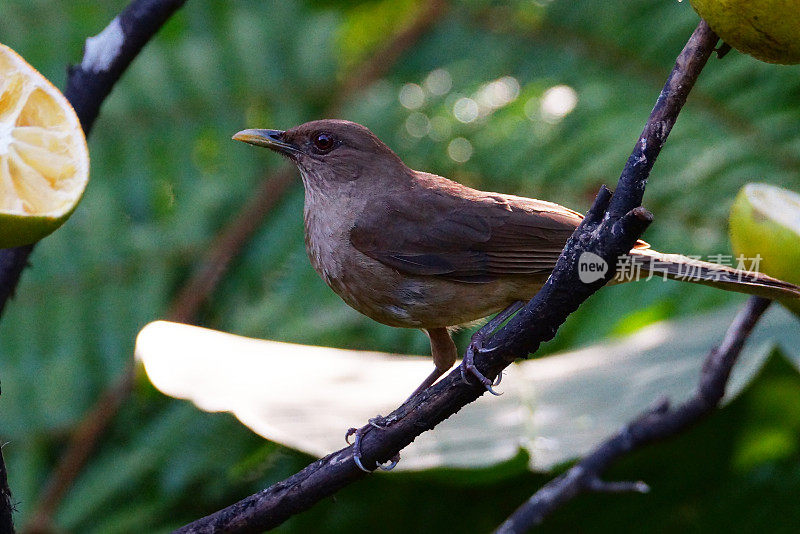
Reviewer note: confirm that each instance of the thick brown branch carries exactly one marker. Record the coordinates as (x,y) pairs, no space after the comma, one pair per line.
(605,232)
(79,448)
(658,423)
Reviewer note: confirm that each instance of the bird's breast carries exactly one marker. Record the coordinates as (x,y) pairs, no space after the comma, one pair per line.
(360,281)
(326,241)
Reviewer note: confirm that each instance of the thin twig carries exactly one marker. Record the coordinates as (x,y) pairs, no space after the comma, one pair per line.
(223,250)
(658,423)
(609,230)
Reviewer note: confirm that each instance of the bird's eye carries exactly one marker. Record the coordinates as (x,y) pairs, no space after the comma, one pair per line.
(324,142)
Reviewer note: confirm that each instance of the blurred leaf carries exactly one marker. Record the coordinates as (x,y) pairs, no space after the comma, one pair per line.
(538,412)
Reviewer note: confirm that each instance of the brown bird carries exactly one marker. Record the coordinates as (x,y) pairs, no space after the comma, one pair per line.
(416,250)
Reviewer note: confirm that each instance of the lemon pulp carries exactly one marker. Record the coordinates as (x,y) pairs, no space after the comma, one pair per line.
(44,161)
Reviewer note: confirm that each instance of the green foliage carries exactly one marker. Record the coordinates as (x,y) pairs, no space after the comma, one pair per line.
(365,26)
(166,177)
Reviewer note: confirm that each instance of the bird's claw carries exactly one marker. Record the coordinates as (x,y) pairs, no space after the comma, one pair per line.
(359,433)
(488,384)
(480,349)
(469,365)
(476,346)
(357,460)
(378,422)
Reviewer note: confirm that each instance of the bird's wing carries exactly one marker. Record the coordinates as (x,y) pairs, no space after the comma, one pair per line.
(465,235)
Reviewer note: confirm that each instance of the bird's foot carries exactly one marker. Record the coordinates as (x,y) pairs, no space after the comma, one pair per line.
(380,423)
(476,345)
(468,366)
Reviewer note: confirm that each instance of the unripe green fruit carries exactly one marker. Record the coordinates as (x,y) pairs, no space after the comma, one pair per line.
(765,221)
(768,30)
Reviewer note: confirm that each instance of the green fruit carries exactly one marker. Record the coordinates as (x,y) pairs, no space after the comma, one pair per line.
(768,30)
(765,221)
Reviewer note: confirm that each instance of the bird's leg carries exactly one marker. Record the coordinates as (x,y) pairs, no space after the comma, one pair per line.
(428,382)
(476,345)
(444,354)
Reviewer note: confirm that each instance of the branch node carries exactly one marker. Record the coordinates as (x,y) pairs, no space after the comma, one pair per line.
(599,206)
(635,222)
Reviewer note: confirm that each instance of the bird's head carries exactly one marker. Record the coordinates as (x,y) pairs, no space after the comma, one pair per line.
(331,151)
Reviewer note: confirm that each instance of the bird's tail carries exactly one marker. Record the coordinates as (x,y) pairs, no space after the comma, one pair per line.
(644,262)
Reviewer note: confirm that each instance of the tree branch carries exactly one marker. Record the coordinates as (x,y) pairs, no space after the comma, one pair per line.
(108,54)
(79,449)
(12,262)
(7,507)
(610,229)
(657,423)
(227,244)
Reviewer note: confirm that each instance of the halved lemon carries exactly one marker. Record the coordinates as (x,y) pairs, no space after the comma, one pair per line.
(44,161)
